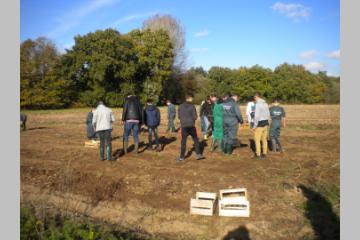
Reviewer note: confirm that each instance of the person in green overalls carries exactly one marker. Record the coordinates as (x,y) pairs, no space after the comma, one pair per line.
(277,114)
(217,134)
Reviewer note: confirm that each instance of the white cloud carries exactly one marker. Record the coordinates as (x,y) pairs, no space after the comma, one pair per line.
(334,54)
(202,33)
(199,49)
(294,11)
(72,18)
(132,17)
(314,66)
(308,54)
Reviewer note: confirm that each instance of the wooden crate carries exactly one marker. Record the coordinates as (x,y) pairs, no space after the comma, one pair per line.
(92,144)
(203,204)
(234,203)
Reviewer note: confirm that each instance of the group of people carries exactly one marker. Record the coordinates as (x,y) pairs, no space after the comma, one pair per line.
(220,118)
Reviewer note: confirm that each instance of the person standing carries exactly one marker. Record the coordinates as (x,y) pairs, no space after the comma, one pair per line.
(132,117)
(277,114)
(250,113)
(102,122)
(217,134)
(152,121)
(89,125)
(261,124)
(206,115)
(188,115)
(231,119)
(171,115)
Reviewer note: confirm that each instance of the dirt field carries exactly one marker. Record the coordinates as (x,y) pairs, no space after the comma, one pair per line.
(293,195)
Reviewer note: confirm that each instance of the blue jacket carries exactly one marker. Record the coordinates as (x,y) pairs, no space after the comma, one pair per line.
(151,116)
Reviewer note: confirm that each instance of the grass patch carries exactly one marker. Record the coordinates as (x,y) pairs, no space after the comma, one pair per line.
(58,227)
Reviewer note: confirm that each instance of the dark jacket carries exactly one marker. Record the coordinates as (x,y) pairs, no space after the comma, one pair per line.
(171,111)
(151,116)
(132,109)
(187,114)
(231,112)
(207,110)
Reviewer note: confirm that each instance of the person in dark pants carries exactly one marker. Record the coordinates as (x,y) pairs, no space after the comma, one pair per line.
(89,126)
(188,115)
(132,116)
(152,121)
(231,119)
(171,115)
(206,115)
(277,114)
(102,123)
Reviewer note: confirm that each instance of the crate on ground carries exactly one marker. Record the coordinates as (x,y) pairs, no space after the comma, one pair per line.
(234,203)
(92,144)
(203,204)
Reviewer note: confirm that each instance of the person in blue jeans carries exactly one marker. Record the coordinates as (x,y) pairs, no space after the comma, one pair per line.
(132,117)
(102,122)
(152,121)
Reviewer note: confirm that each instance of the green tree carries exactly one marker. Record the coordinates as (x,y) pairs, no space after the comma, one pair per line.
(41,83)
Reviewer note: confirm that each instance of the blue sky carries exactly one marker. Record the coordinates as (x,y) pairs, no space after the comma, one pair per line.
(229,33)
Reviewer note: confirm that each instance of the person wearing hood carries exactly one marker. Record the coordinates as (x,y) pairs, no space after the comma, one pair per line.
(102,122)
(261,125)
(231,119)
(277,114)
(152,121)
(188,115)
(132,117)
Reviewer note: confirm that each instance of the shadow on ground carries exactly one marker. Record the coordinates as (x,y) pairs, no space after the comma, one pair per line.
(318,210)
(240,233)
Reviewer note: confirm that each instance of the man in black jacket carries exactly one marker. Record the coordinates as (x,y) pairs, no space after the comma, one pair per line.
(188,115)
(132,117)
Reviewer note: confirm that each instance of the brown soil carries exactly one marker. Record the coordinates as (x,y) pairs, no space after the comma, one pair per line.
(152,192)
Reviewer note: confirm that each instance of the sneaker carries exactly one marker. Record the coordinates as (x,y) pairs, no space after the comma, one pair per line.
(200,157)
(263,156)
(180,159)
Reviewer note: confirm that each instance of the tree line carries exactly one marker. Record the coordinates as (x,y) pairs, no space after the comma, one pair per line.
(150,62)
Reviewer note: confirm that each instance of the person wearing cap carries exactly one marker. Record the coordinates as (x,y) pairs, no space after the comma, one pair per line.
(102,122)
(261,126)
(277,114)
(188,115)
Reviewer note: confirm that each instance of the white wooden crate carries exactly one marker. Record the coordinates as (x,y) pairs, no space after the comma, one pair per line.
(203,204)
(234,203)
(92,144)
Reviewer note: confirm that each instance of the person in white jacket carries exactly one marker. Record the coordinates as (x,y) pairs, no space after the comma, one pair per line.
(102,122)
(250,113)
